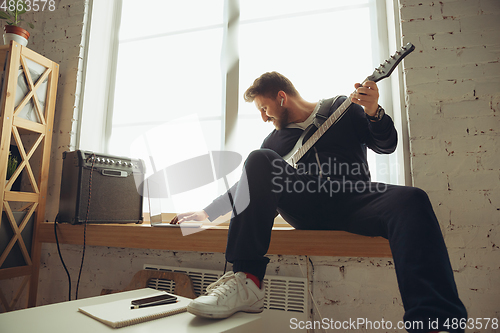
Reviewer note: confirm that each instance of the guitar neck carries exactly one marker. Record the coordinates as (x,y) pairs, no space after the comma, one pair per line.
(295,158)
(383,71)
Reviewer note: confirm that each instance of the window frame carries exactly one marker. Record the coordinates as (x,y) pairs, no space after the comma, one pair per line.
(96,112)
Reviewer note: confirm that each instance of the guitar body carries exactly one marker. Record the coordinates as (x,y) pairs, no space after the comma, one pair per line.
(308,132)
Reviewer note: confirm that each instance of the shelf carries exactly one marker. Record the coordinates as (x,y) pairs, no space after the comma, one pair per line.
(284,241)
(27,103)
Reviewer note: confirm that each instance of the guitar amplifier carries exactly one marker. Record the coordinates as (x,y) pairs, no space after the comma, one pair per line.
(102,185)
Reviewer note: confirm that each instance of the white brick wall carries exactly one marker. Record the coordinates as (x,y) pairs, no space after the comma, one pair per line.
(453,96)
(453,85)
(59,35)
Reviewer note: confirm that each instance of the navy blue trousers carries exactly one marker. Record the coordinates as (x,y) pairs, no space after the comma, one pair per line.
(401,214)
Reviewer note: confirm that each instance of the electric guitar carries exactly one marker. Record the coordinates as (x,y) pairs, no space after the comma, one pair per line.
(383,71)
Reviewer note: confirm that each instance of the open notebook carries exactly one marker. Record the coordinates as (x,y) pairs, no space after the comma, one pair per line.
(119,314)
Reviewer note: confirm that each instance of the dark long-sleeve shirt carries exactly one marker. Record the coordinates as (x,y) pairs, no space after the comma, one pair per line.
(341,150)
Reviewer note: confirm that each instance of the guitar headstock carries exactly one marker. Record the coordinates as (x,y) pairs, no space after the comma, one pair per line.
(385,69)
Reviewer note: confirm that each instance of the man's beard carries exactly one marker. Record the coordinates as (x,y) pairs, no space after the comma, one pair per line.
(282,121)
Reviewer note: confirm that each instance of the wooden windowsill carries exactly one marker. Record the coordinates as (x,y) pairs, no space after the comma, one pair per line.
(286,241)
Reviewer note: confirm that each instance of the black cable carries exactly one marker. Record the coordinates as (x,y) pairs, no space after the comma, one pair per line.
(60,256)
(93,158)
(83,257)
(231,201)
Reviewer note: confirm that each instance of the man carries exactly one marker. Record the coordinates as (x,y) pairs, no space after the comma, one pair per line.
(329,190)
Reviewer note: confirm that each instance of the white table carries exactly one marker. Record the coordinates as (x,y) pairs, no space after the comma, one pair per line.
(65,318)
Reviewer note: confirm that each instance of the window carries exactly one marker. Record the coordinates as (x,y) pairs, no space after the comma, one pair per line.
(197,57)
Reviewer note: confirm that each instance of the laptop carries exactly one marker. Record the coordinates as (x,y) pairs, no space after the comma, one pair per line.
(159,219)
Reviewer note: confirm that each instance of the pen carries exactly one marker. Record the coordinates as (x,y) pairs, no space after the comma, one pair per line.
(170,301)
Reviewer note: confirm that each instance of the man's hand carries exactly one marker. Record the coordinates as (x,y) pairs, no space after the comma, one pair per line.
(366,95)
(190,216)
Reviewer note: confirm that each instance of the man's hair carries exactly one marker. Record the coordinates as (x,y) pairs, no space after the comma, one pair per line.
(268,85)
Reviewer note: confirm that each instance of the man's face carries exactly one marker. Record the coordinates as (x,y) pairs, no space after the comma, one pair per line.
(271,111)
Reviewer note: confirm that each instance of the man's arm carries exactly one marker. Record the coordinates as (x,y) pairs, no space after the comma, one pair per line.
(190,216)
(220,206)
(381,136)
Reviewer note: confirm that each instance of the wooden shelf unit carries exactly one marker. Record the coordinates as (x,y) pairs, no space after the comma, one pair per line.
(28,94)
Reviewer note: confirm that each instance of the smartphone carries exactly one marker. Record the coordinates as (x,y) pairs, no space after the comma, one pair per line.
(154,300)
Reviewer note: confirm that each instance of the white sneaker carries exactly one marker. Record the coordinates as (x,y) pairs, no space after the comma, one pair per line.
(230,294)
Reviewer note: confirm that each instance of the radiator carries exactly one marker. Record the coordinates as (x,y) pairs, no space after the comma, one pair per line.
(285,300)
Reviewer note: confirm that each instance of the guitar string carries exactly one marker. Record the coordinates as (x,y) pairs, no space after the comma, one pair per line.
(395,59)
(341,110)
(336,115)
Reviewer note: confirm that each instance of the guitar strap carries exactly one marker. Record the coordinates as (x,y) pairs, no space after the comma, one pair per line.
(324,111)
(319,118)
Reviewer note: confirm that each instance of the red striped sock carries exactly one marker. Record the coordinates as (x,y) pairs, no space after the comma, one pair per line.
(254,279)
